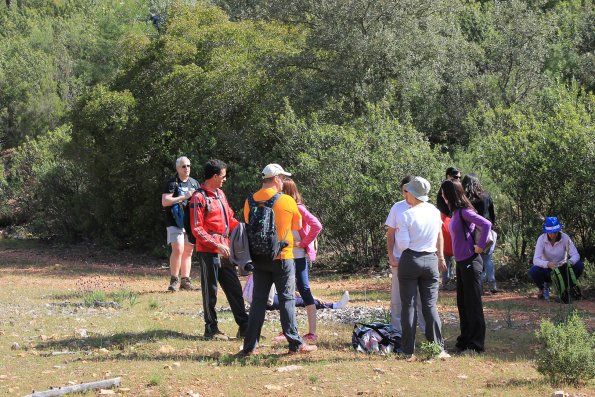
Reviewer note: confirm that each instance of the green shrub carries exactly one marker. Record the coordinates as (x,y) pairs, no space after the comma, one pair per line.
(429,350)
(567,353)
(154,303)
(90,297)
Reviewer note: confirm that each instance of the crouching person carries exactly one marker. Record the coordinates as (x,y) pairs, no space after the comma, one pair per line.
(554,249)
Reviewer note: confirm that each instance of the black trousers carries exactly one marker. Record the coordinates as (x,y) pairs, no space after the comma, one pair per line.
(211,272)
(473,325)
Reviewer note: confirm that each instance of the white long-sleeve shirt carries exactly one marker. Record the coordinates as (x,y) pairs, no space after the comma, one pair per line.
(545,252)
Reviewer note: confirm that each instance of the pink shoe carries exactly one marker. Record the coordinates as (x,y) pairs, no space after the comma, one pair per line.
(280,338)
(310,337)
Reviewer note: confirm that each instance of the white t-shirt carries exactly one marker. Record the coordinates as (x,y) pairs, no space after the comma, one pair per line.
(418,228)
(395,213)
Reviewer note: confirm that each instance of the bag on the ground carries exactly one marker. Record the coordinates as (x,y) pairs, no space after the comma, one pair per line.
(375,338)
(261,229)
(564,281)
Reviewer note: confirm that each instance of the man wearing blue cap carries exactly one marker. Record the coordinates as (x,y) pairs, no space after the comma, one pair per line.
(553,249)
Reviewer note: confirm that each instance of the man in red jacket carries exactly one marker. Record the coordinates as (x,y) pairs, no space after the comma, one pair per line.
(211,221)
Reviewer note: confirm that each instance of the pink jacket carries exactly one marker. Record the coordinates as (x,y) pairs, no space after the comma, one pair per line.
(311,228)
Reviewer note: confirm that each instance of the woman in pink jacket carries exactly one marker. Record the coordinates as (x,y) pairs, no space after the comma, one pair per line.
(304,252)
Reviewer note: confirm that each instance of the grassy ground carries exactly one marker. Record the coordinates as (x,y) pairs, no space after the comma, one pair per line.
(152,339)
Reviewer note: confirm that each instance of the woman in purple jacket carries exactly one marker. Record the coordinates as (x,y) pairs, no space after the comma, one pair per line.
(469,265)
(304,251)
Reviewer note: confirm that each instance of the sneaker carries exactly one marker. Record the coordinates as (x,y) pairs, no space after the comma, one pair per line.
(494,290)
(174,283)
(343,302)
(546,293)
(540,294)
(411,358)
(217,335)
(280,338)
(310,337)
(443,355)
(186,284)
(304,348)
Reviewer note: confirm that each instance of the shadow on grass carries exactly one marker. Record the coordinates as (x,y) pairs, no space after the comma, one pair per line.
(507,383)
(121,339)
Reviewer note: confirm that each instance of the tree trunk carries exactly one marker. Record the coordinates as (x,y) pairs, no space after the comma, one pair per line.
(83,387)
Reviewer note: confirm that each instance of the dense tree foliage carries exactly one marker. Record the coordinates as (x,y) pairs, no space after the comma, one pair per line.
(97,99)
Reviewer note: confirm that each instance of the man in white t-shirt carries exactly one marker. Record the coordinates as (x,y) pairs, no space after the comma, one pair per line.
(394,254)
(419,237)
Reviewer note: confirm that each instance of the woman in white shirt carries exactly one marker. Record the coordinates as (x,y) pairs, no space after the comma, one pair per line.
(419,237)
(553,249)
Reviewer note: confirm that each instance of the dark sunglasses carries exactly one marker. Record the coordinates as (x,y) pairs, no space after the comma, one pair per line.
(186,166)
(456,176)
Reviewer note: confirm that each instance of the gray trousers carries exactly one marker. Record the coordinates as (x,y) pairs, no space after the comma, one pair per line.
(419,270)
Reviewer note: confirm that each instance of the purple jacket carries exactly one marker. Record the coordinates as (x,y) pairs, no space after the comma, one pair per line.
(311,227)
(462,237)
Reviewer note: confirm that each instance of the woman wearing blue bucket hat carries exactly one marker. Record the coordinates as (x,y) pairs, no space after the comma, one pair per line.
(553,250)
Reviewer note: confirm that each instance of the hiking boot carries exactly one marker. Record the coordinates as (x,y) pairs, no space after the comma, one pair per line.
(495,290)
(186,284)
(304,348)
(280,338)
(217,335)
(243,354)
(174,283)
(310,337)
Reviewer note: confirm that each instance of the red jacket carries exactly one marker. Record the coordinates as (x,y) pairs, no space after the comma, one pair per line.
(446,235)
(211,219)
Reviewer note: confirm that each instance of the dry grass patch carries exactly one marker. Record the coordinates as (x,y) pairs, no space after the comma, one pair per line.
(155,344)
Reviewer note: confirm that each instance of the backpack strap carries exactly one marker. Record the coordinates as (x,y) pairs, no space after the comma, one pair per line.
(558,281)
(465,227)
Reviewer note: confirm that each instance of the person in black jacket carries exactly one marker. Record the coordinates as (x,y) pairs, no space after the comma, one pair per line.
(483,204)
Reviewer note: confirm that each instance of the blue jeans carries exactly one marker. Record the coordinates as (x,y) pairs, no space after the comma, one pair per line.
(302,281)
(282,273)
(540,275)
(449,274)
(489,271)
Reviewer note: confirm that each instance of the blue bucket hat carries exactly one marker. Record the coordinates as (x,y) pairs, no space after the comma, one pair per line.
(551,225)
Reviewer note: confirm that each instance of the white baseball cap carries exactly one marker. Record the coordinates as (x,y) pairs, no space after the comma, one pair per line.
(272,170)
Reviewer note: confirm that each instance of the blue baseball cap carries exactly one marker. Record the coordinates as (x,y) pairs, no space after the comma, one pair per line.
(551,225)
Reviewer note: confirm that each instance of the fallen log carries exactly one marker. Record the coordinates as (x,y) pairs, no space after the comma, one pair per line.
(83,387)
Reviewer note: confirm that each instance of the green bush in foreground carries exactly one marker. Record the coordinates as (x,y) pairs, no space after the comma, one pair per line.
(567,353)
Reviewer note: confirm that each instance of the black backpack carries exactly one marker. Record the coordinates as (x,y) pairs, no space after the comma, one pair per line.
(261,229)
